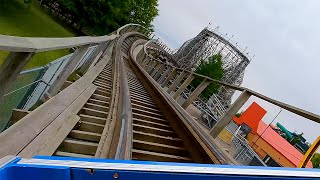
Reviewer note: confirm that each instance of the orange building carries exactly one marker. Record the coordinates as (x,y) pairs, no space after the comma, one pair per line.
(273,149)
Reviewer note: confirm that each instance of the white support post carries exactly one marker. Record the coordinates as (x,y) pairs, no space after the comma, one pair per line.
(165,74)
(67,70)
(231,112)
(96,54)
(171,75)
(183,87)
(176,82)
(158,74)
(196,93)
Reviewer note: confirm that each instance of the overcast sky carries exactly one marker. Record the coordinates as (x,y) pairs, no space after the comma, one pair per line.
(283,36)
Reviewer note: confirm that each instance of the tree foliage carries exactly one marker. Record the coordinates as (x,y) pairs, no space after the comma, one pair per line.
(211,68)
(316,160)
(101,17)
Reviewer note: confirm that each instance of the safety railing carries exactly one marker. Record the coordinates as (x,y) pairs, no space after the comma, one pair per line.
(32,84)
(153,64)
(22,89)
(244,154)
(177,80)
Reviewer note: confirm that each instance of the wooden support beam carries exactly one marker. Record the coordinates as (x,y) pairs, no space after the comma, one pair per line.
(158,74)
(67,70)
(145,62)
(171,75)
(165,74)
(231,112)
(11,68)
(176,82)
(196,93)
(183,87)
(151,65)
(156,69)
(79,147)
(94,55)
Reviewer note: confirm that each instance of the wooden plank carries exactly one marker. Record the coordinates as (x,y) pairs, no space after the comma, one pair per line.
(24,131)
(137,106)
(154,130)
(83,135)
(48,141)
(153,106)
(147,113)
(150,123)
(91,127)
(105,86)
(97,107)
(93,112)
(100,97)
(99,102)
(35,44)
(150,118)
(79,147)
(103,93)
(142,136)
(93,119)
(146,155)
(51,137)
(161,148)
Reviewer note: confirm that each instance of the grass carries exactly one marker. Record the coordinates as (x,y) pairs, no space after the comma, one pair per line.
(19,19)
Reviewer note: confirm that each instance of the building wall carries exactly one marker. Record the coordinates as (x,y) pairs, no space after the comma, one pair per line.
(252,116)
(262,148)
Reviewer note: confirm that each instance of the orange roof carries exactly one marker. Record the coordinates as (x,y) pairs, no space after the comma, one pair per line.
(280,144)
(252,117)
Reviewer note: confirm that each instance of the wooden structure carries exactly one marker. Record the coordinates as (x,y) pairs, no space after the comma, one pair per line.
(123,107)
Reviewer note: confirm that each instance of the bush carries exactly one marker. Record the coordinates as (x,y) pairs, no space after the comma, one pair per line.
(213,69)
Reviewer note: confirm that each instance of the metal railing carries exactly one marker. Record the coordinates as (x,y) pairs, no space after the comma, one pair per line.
(244,154)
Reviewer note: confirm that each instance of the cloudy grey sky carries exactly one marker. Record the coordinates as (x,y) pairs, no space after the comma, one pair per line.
(283,36)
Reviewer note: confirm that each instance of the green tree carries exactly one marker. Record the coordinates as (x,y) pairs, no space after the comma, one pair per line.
(101,17)
(211,68)
(316,160)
